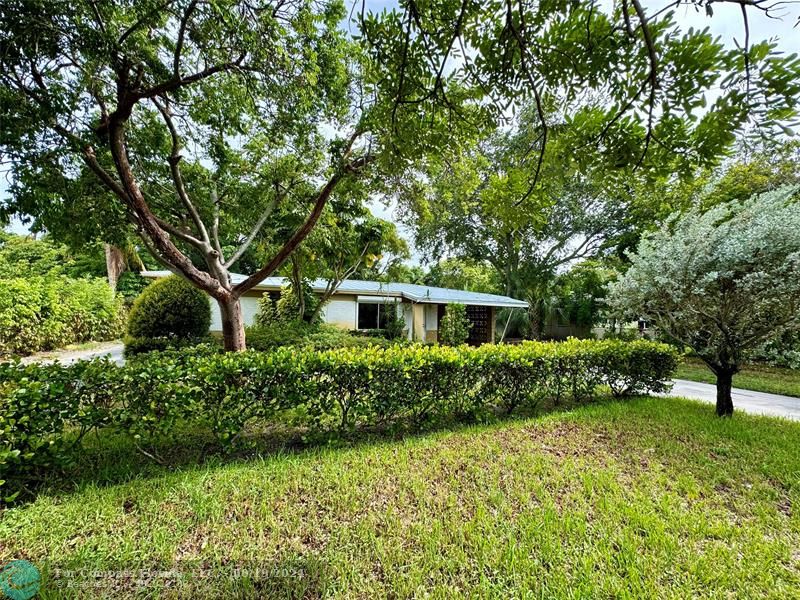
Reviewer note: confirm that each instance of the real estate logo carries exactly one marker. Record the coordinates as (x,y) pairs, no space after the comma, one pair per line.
(20,580)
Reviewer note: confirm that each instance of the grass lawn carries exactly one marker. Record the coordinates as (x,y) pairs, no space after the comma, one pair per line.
(641,498)
(760,378)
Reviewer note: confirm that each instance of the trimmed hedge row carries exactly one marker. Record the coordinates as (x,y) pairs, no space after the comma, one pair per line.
(43,313)
(45,410)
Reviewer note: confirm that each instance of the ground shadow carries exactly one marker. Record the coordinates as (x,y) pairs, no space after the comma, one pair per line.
(108,459)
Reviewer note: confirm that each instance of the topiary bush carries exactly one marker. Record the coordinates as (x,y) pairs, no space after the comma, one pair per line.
(168,312)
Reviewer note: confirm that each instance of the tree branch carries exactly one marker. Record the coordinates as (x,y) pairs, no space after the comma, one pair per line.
(176,60)
(253,233)
(177,177)
(302,232)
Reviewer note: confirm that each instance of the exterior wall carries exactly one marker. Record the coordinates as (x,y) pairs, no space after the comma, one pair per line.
(341,311)
(419,322)
(422,320)
(408,317)
(431,322)
(249,309)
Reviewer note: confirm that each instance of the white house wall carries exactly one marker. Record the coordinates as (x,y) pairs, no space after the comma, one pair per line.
(408,316)
(249,310)
(431,317)
(341,313)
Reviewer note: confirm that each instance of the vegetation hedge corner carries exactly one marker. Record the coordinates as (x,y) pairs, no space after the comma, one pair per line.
(45,313)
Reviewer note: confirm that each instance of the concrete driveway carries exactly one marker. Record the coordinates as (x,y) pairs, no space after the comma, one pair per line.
(757,403)
(113,350)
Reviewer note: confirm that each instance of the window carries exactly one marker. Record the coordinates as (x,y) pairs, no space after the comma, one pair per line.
(372,315)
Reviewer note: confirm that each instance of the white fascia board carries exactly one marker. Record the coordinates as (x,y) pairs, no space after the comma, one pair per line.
(378,299)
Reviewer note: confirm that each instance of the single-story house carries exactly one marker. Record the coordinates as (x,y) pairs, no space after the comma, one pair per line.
(358,305)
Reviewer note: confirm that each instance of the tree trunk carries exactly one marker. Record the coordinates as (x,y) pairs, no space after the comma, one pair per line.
(115,264)
(724,386)
(536,321)
(232,325)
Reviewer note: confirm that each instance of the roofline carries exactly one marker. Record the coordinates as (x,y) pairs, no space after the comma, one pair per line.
(501,302)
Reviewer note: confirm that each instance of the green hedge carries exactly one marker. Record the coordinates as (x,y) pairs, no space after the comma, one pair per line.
(268,337)
(38,313)
(45,410)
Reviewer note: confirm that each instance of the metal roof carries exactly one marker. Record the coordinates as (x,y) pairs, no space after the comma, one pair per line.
(415,293)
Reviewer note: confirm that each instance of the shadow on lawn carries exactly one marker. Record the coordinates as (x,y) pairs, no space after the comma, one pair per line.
(108,459)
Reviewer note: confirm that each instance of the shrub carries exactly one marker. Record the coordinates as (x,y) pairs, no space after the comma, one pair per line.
(395,323)
(44,313)
(783,351)
(299,334)
(267,313)
(141,345)
(130,285)
(45,410)
(288,309)
(168,313)
(455,326)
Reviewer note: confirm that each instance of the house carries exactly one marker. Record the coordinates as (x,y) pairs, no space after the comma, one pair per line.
(359,305)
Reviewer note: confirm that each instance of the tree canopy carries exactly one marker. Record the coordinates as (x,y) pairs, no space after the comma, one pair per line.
(192,122)
(721,281)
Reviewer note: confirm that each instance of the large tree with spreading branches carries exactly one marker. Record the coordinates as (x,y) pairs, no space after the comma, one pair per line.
(189,121)
(193,123)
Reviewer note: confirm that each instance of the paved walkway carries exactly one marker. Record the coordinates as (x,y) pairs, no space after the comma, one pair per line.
(758,403)
(111,349)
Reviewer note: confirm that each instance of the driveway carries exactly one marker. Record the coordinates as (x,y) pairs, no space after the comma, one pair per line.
(113,350)
(757,403)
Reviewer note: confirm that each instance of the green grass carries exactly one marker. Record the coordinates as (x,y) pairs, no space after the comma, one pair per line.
(759,378)
(640,498)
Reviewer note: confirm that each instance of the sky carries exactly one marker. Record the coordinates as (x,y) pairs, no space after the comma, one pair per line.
(725,23)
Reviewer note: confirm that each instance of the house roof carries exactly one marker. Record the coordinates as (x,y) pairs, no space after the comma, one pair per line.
(415,293)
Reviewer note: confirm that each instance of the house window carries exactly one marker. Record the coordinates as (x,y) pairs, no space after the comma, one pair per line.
(372,315)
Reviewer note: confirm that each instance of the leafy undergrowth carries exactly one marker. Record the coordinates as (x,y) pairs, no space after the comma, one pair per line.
(646,498)
(759,378)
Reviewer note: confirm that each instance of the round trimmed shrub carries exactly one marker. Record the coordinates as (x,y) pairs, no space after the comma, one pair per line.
(170,308)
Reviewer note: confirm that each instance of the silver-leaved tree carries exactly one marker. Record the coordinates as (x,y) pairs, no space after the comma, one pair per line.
(720,282)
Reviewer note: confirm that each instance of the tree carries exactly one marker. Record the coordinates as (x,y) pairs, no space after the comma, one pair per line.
(477,204)
(26,256)
(581,292)
(749,171)
(190,122)
(720,282)
(464,274)
(345,245)
(395,272)
(604,69)
(613,98)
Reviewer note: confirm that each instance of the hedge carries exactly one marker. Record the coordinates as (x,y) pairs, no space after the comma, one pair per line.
(39,313)
(45,410)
